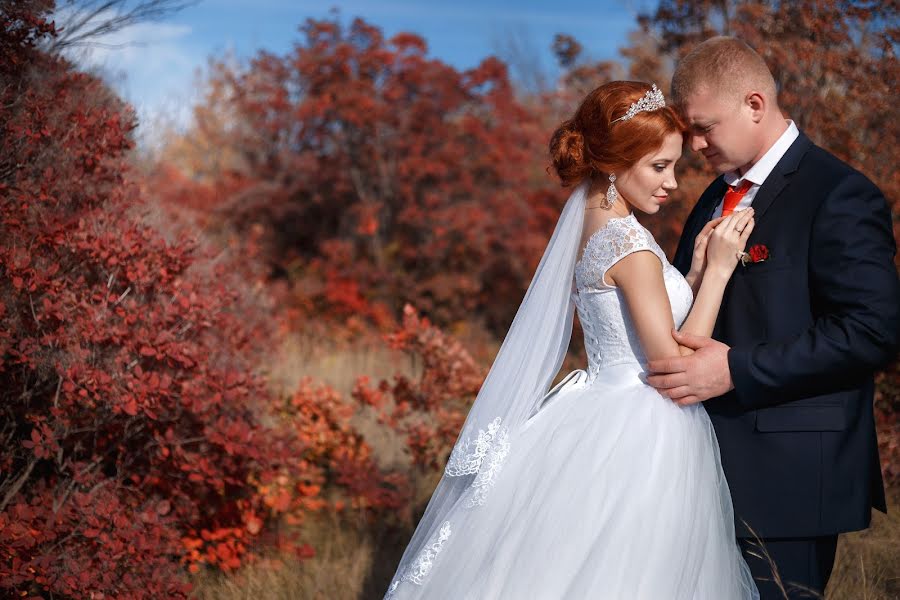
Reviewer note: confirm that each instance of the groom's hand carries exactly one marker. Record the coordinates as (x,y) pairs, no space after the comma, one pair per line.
(696,377)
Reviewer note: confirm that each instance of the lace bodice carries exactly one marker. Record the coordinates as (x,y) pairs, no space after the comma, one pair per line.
(610,337)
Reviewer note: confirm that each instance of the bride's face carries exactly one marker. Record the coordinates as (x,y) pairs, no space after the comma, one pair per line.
(646,185)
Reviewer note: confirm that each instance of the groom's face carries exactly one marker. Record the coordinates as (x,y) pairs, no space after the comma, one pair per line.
(720,129)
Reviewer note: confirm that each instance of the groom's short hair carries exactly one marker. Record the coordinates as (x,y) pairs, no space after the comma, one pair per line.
(726,65)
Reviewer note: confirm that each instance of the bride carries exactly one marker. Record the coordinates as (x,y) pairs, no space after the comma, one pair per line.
(601,487)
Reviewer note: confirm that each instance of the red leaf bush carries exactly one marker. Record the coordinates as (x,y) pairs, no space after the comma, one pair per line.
(429,409)
(137,433)
(338,458)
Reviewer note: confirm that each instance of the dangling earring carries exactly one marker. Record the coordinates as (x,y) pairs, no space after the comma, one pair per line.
(612,194)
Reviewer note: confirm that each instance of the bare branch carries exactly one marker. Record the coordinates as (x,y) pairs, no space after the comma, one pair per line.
(105,46)
(18,483)
(83,21)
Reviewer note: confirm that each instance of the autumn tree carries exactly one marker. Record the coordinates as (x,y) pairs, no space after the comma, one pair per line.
(380,175)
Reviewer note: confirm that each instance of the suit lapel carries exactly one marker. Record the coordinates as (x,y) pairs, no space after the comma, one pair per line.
(767,193)
(778,178)
(711,200)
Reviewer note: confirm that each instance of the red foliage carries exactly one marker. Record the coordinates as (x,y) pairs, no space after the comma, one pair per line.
(442,393)
(378,174)
(105,540)
(887,421)
(136,433)
(336,456)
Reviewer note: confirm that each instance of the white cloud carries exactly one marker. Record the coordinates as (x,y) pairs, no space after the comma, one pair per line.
(151,65)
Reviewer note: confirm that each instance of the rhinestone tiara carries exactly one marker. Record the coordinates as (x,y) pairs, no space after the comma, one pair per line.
(652,100)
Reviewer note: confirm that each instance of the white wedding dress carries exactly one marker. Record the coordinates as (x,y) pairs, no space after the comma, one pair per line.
(612,491)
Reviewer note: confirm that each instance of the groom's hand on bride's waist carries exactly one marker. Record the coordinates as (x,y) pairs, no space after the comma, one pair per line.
(696,377)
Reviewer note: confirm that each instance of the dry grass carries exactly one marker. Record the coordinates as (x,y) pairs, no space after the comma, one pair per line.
(337,366)
(341,569)
(355,559)
(868,562)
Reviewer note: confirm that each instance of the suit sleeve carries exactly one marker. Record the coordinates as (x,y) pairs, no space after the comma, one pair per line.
(855,292)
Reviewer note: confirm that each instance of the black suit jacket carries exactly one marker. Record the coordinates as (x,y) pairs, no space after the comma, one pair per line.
(807,329)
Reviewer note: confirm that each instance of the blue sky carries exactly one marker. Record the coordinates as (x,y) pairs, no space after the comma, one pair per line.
(156,69)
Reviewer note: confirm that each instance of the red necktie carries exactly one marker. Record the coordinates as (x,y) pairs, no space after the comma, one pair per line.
(733,197)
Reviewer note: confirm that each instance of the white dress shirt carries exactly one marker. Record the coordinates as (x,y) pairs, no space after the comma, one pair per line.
(758,172)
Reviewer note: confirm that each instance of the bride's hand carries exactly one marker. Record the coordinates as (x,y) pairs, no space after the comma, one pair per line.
(698,262)
(727,240)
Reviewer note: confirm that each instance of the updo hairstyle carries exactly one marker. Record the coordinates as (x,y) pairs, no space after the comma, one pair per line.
(590,142)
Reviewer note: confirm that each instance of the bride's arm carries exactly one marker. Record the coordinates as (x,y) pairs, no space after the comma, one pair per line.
(639,276)
(702,318)
(724,242)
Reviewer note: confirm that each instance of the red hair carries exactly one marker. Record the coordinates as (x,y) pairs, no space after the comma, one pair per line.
(591,142)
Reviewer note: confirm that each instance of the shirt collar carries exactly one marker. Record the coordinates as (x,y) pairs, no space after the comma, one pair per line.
(758,172)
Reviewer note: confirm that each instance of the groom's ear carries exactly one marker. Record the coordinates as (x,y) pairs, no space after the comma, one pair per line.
(756,102)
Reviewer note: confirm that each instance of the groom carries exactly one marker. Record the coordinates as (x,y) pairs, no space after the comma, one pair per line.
(787,377)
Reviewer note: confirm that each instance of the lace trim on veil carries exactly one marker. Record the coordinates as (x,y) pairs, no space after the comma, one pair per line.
(490,465)
(466,459)
(484,457)
(422,565)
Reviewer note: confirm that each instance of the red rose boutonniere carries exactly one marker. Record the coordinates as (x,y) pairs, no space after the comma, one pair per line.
(756,254)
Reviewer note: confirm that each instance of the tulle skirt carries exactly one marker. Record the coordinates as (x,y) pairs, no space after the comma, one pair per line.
(610,492)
